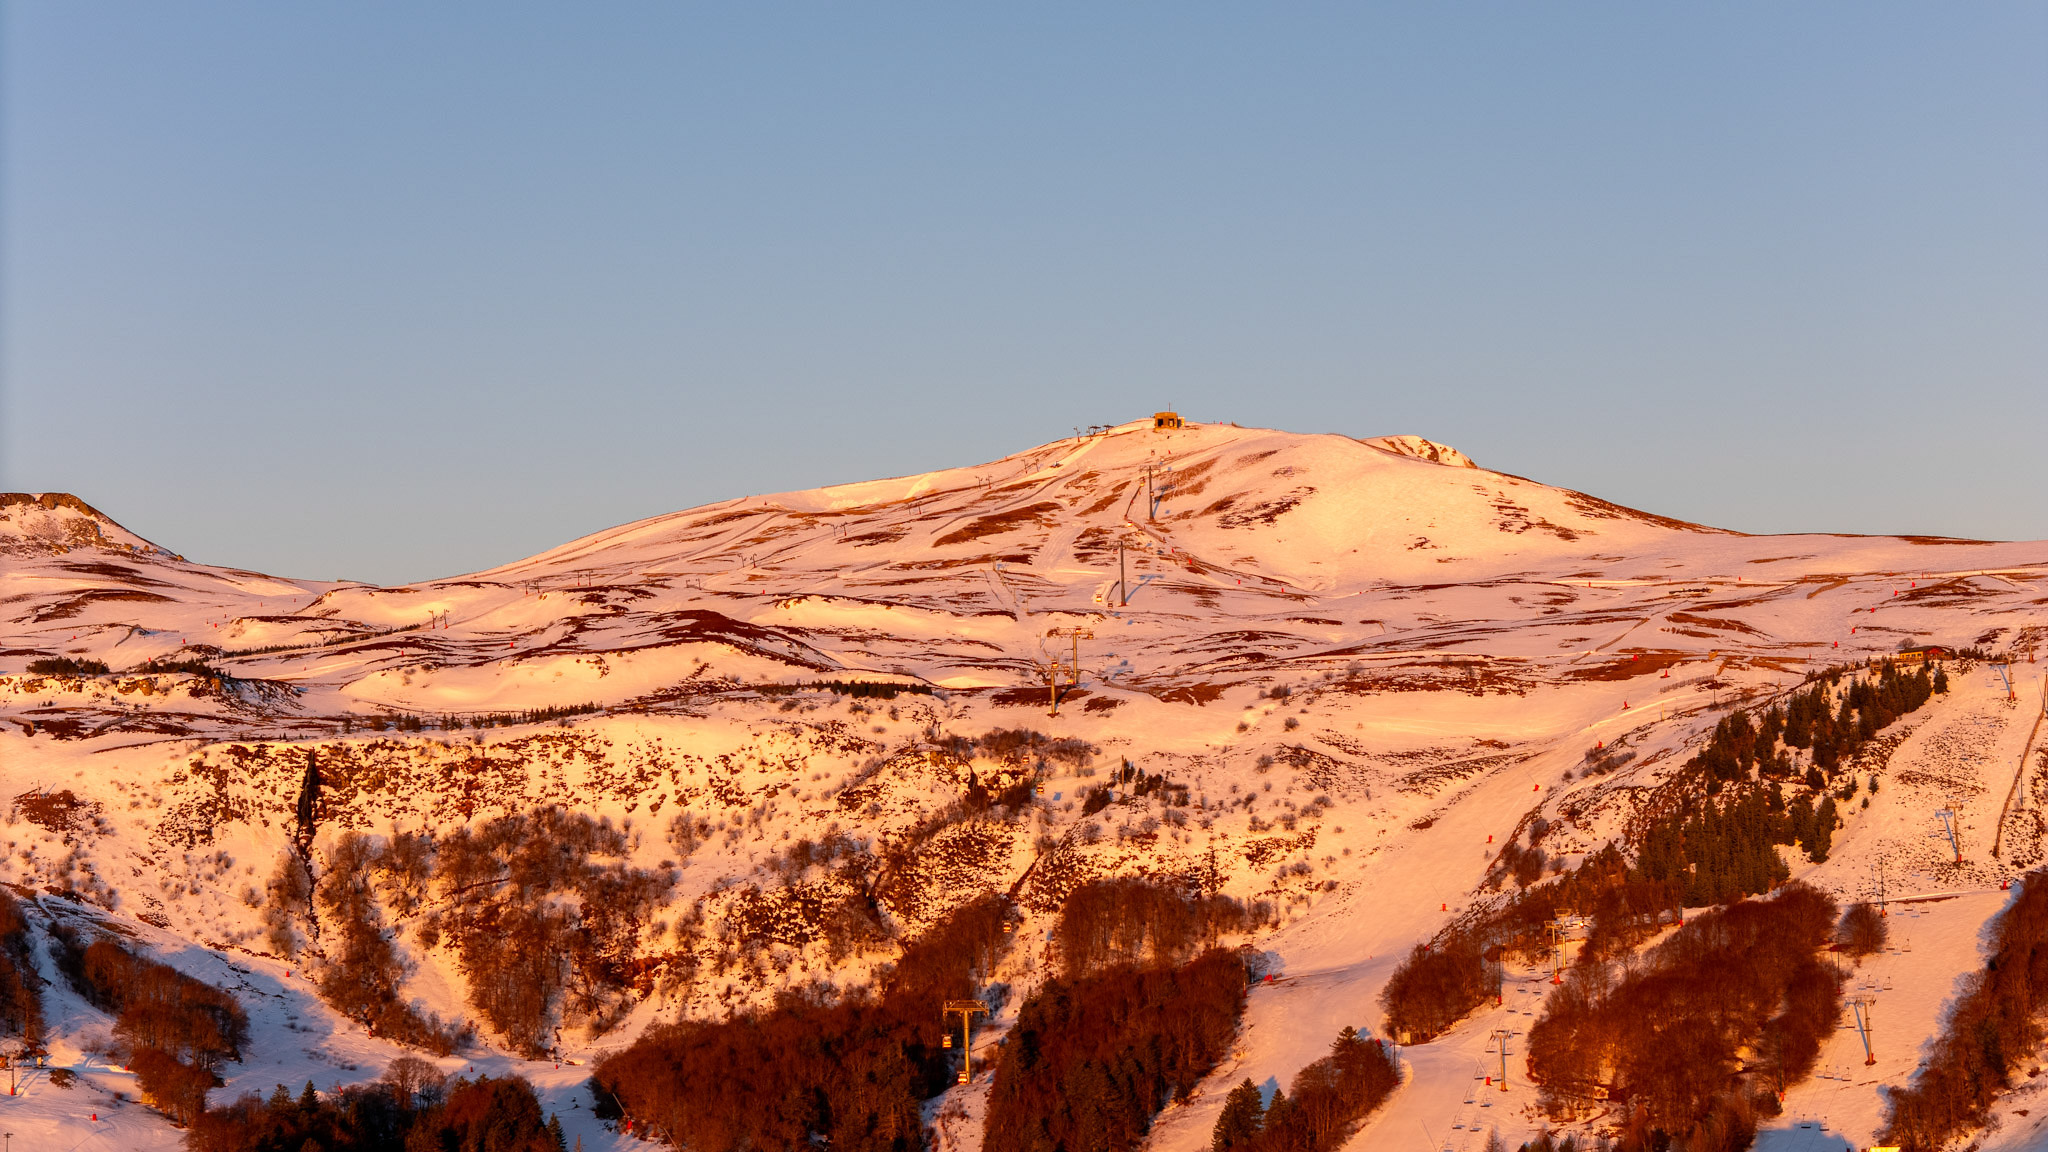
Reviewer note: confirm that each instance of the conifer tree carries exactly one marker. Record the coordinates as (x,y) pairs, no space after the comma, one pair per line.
(1799,821)
(1241,1121)
(1823,838)
(1279,1116)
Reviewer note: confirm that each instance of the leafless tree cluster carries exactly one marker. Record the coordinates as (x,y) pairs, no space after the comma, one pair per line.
(412,1108)
(364,973)
(1862,931)
(1437,984)
(1995,1023)
(1127,922)
(175,1030)
(546,915)
(1661,1037)
(21,1010)
(1091,1061)
(851,1070)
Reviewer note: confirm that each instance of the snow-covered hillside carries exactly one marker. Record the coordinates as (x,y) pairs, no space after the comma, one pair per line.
(1367,663)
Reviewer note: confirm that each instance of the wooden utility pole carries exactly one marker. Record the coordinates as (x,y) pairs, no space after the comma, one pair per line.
(967,1010)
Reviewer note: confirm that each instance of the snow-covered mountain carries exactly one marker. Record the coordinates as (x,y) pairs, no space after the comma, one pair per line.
(1368,663)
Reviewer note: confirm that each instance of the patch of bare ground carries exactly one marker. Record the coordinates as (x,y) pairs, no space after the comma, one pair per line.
(1431,770)
(115,572)
(1196,694)
(1713,622)
(1039,515)
(1264,512)
(1055,874)
(1472,678)
(1189,482)
(1108,500)
(981,561)
(1627,665)
(1512,518)
(960,862)
(61,811)
(724,518)
(1324,772)
(1264,850)
(1246,638)
(71,606)
(1598,509)
(791,915)
(1947,593)
(1034,697)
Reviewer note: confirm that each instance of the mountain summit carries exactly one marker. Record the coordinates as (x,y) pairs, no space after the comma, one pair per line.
(1334,703)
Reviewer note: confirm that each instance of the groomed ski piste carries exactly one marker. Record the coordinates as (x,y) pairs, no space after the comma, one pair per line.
(1364,658)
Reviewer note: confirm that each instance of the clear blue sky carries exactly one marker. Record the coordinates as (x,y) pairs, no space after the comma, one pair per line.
(395,291)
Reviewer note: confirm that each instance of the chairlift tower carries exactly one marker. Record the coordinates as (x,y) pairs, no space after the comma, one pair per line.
(1123,574)
(1877,887)
(1499,1044)
(1862,1005)
(1052,675)
(967,1010)
(1560,934)
(1951,821)
(1158,483)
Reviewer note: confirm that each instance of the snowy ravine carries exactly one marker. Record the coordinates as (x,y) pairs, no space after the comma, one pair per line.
(1369,663)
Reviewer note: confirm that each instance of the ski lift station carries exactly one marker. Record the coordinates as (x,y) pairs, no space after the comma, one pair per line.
(1167,422)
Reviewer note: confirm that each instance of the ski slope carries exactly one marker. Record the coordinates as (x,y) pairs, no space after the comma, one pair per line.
(1364,658)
